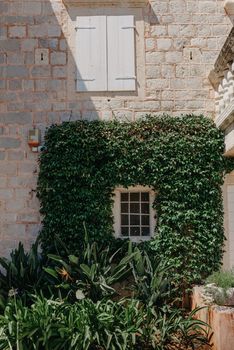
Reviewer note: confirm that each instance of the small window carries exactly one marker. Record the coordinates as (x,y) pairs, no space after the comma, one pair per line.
(105,53)
(134,216)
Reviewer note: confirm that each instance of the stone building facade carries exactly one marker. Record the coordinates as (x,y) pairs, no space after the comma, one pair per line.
(177,45)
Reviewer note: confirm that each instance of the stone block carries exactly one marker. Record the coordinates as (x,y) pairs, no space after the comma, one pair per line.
(10,45)
(48,43)
(41,71)
(58,58)
(164,44)
(29,44)
(28,218)
(157,83)
(2,58)
(3,182)
(8,168)
(149,44)
(59,72)
(2,84)
(159,30)
(2,155)
(16,72)
(15,58)
(3,33)
(17,31)
(155,57)
(9,142)
(173,57)
(29,58)
(15,155)
(177,6)
(15,84)
(63,44)
(28,85)
(16,118)
(6,193)
(153,71)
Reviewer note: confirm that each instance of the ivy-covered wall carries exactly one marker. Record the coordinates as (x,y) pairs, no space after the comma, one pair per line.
(180,157)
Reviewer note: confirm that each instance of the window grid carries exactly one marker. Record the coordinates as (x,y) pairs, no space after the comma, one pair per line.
(143,212)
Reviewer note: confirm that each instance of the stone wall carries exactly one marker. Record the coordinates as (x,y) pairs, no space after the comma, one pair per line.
(181,42)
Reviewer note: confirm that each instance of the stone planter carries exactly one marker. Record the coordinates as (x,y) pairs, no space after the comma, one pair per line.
(220,318)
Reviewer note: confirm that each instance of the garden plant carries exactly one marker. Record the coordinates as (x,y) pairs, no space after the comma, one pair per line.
(84,289)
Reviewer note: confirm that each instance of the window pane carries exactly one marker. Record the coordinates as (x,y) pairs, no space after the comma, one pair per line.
(124,220)
(135,208)
(145,196)
(124,207)
(145,220)
(145,231)
(134,220)
(124,197)
(134,197)
(134,231)
(145,208)
(125,231)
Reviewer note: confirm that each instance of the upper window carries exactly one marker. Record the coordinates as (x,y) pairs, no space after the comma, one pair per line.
(105,53)
(134,216)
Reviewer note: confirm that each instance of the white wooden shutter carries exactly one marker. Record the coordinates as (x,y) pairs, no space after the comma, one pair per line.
(121,53)
(91,53)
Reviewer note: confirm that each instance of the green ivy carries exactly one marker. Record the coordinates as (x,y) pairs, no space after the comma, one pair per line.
(180,157)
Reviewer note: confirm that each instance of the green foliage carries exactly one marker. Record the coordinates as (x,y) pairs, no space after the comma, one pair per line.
(22,273)
(222,279)
(152,285)
(92,274)
(106,325)
(181,158)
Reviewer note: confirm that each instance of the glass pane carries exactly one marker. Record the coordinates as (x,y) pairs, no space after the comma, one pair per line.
(135,208)
(124,197)
(134,231)
(124,207)
(134,220)
(134,197)
(145,231)
(124,220)
(145,220)
(145,196)
(124,231)
(145,208)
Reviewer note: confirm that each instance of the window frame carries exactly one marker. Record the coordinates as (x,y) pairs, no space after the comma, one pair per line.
(107,29)
(70,34)
(117,212)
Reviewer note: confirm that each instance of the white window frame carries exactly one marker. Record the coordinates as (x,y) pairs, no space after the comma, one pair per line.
(117,211)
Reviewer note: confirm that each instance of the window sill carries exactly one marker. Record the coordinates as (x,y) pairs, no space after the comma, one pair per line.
(119,3)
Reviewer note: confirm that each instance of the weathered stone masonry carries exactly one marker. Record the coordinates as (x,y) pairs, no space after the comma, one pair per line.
(182,40)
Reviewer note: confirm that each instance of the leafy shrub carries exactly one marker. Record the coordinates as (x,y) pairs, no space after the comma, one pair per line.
(93,273)
(106,325)
(22,273)
(222,279)
(152,285)
(182,158)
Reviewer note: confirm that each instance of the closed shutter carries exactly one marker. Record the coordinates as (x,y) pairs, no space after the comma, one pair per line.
(121,53)
(91,53)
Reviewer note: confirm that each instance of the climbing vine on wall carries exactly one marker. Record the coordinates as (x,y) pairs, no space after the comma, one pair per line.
(180,157)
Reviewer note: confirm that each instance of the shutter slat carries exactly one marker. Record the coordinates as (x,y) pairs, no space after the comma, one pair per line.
(121,53)
(91,53)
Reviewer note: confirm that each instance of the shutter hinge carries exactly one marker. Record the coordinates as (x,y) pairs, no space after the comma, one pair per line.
(76,28)
(84,79)
(125,78)
(129,27)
